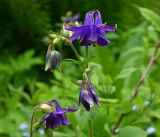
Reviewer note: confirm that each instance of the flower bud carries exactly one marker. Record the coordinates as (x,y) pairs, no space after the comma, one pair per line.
(65,32)
(87,70)
(53,59)
(52,36)
(45,108)
(56,40)
(79,82)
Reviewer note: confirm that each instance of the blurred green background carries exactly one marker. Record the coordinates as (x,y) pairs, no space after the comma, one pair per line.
(24,29)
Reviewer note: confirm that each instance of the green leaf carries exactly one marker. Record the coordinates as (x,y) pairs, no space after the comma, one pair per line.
(151,16)
(155,114)
(154,86)
(108,80)
(131,131)
(73,61)
(108,131)
(108,100)
(87,60)
(125,73)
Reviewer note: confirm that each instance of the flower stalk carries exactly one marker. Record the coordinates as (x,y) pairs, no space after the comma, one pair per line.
(31,131)
(87,55)
(48,132)
(90,128)
(89,121)
(75,51)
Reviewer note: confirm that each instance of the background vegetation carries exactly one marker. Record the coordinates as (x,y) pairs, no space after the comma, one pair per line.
(24,27)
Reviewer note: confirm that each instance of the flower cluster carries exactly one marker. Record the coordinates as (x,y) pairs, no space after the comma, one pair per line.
(91,32)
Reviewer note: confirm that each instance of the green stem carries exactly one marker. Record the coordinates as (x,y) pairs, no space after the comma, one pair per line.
(31,133)
(90,128)
(75,51)
(49,132)
(87,54)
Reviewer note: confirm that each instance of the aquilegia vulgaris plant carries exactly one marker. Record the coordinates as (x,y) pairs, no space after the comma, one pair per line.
(91,32)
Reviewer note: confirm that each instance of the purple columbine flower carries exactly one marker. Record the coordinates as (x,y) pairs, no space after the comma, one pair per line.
(57,117)
(88,95)
(92,31)
(72,19)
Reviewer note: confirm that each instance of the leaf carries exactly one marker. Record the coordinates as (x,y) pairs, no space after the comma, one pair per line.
(73,61)
(108,80)
(155,114)
(87,60)
(108,131)
(131,131)
(26,58)
(108,100)
(154,86)
(125,73)
(151,16)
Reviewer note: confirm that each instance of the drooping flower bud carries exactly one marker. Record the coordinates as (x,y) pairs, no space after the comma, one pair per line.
(53,59)
(88,95)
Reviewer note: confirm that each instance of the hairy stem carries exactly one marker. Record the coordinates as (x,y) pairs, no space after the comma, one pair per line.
(140,81)
(90,128)
(75,51)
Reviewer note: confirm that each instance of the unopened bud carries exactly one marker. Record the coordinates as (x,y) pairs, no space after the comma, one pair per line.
(52,36)
(87,70)
(66,33)
(53,59)
(45,108)
(56,40)
(77,24)
(79,82)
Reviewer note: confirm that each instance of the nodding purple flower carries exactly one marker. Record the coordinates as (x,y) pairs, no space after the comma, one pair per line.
(88,95)
(57,117)
(53,59)
(72,19)
(92,31)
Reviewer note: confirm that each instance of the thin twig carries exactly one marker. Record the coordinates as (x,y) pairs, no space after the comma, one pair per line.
(144,74)
(118,123)
(135,91)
